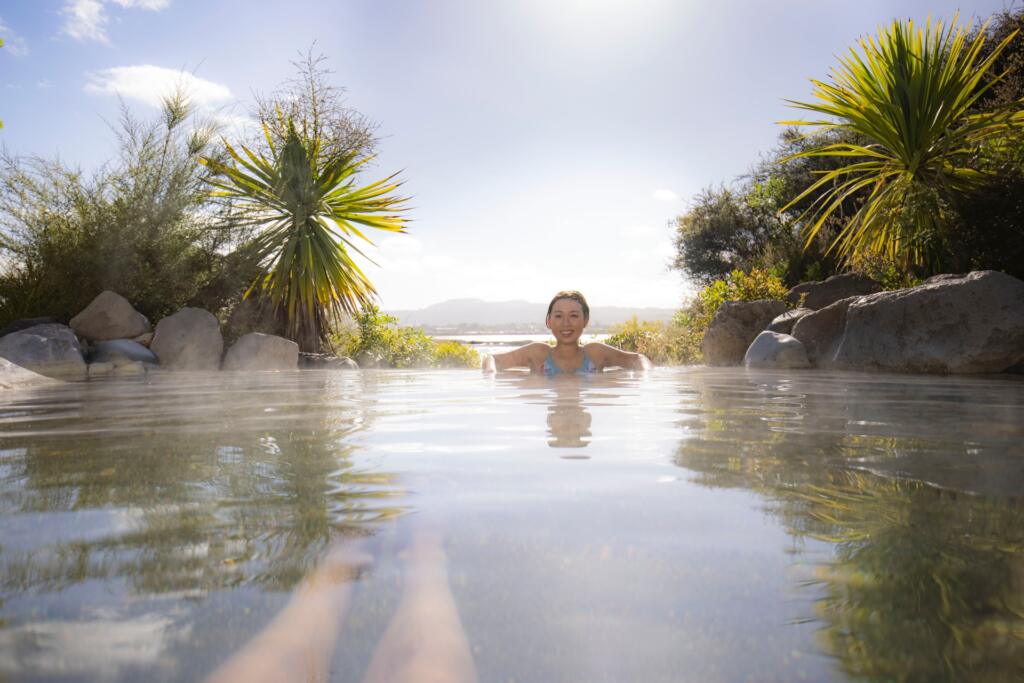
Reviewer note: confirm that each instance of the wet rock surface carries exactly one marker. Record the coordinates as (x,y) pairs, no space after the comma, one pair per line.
(109,316)
(734,327)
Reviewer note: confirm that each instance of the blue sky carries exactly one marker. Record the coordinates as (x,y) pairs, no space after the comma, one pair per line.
(547,144)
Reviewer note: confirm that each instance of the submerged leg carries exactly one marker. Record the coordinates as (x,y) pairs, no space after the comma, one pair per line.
(425,641)
(297,645)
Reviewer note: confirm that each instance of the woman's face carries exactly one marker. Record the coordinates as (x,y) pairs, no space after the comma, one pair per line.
(566,321)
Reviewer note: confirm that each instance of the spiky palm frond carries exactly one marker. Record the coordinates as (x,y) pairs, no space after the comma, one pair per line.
(910,92)
(307,207)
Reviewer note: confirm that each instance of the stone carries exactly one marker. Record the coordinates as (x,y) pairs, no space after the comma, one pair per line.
(783,324)
(188,340)
(25,323)
(13,376)
(102,369)
(734,327)
(109,316)
(120,368)
(258,351)
(121,350)
(968,324)
(774,350)
(144,339)
(826,292)
(822,331)
(50,349)
(325,361)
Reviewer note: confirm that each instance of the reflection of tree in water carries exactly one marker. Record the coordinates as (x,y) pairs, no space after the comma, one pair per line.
(193,490)
(925,583)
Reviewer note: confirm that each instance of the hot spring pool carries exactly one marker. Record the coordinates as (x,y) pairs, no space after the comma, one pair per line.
(692,524)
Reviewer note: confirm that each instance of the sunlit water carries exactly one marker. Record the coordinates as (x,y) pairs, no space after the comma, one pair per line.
(688,525)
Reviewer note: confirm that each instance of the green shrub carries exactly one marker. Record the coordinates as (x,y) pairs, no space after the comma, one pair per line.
(452,354)
(679,341)
(138,226)
(374,338)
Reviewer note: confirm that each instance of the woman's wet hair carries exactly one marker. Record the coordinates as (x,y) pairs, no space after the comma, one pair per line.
(575,296)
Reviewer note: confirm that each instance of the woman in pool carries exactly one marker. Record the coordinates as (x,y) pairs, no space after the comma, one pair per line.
(568,314)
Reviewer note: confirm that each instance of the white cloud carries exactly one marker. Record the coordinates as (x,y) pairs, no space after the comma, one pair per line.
(44,84)
(87,20)
(14,44)
(665,195)
(150,84)
(152,5)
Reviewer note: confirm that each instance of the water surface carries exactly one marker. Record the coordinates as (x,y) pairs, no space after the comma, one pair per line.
(691,524)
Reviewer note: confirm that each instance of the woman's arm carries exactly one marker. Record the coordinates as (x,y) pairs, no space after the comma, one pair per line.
(607,356)
(524,357)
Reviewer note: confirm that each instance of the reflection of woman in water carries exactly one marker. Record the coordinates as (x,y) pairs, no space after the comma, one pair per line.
(568,314)
(568,421)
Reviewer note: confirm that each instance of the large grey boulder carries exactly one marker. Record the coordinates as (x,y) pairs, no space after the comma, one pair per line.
(734,327)
(774,350)
(257,351)
(14,376)
(120,350)
(188,340)
(968,324)
(836,288)
(783,324)
(51,349)
(25,323)
(821,332)
(109,316)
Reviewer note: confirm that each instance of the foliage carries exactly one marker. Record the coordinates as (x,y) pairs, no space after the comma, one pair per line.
(742,227)
(679,341)
(909,91)
(721,232)
(138,225)
(374,339)
(652,338)
(304,201)
(312,104)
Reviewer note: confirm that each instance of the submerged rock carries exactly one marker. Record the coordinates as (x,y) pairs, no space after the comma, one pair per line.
(734,327)
(13,376)
(188,340)
(774,350)
(109,316)
(258,351)
(51,349)
(836,288)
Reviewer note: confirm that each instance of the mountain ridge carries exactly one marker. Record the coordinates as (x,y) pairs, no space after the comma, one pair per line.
(467,315)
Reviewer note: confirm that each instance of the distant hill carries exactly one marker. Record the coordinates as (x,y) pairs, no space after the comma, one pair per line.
(464,316)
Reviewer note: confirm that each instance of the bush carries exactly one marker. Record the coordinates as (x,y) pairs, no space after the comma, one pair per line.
(679,341)
(138,226)
(374,337)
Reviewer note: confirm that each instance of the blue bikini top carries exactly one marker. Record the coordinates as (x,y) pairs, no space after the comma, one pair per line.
(586,368)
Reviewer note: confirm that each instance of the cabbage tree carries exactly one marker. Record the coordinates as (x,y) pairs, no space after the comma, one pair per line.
(307,209)
(908,93)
